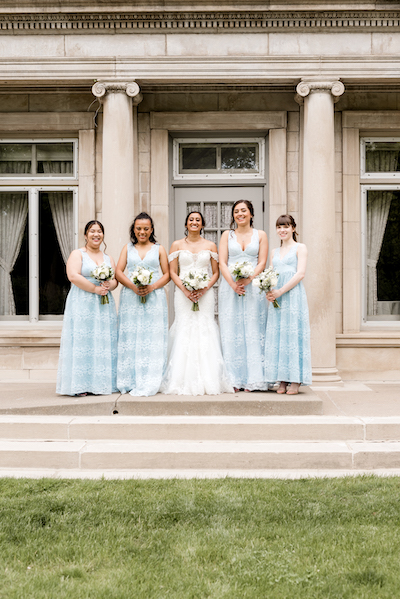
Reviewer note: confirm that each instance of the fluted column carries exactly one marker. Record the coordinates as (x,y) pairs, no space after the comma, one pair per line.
(318,222)
(118,170)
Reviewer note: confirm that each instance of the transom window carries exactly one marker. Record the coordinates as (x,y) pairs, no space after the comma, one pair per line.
(380,228)
(42,159)
(228,158)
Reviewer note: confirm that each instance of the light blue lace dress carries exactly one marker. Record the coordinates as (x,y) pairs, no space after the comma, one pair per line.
(88,350)
(242,322)
(287,351)
(143,331)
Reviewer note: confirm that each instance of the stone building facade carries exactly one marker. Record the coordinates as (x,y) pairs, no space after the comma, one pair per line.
(110,108)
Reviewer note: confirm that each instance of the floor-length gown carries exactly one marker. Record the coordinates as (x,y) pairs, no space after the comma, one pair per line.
(243,321)
(142,331)
(287,352)
(88,350)
(195,363)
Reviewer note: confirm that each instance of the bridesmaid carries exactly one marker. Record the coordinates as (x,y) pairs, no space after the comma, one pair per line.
(242,309)
(88,351)
(288,353)
(142,328)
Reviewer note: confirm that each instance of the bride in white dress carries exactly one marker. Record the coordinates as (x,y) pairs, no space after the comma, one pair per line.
(195,363)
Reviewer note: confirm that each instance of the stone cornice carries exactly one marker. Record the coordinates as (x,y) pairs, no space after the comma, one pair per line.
(221,21)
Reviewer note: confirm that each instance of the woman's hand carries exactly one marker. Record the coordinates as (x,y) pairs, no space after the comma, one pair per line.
(144,290)
(245,282)
(238,287)
(273,294)
(194,296)
(105,284)
(100,290)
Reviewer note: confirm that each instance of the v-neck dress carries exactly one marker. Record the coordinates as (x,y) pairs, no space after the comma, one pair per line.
(243,322)
(287,351)
(142,331)
(88,350)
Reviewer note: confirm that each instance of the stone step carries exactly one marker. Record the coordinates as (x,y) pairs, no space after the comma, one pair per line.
(196,455)
(240,404)
(200,428)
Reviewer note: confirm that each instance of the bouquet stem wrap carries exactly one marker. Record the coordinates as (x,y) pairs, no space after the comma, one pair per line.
(101,273)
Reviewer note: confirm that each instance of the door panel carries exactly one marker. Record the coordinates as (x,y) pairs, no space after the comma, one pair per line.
(215,203)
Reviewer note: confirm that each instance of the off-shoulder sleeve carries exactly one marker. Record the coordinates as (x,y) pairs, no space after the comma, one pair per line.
(173,256)
(215,256)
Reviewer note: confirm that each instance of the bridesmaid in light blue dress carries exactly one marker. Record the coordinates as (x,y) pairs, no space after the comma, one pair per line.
(242,309)
(287,352)
(142,327)
(88,350)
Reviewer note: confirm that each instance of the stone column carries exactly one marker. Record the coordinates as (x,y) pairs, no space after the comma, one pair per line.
(118,180)
(318,228)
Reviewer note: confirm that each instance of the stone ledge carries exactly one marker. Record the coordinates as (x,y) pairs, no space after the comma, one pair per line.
(197,20)
(364,339)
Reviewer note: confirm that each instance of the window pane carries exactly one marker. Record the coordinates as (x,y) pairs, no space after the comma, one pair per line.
(55,245)
(239,157)
(15,159)
(198,158)
(226,215)
(211,215)
(55,158)
(13,253)
(383,255)
(382,157)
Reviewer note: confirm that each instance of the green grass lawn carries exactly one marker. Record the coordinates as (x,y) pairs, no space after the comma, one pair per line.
(230,538)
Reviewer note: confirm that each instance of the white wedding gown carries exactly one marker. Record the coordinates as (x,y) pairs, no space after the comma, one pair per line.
(195,362)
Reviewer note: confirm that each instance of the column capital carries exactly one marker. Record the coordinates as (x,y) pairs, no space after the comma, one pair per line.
(333,87)
(130,88)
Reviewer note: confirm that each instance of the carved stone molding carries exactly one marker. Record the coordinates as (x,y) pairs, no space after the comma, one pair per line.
(304,88)
(130,88)
(315,20)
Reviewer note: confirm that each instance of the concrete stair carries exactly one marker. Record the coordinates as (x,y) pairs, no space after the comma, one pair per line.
(196,445)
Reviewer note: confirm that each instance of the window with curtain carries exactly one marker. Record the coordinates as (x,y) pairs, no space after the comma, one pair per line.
(36,238)
(40,159)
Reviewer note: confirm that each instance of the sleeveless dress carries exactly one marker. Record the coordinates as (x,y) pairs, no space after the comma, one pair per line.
(195,363)
(88,350)
(142,331)
(288,352)
(243,321)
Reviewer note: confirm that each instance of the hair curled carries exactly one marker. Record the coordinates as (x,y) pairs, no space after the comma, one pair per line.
(203,222)
(142,216)
(287,219)
(89,225)
(249,206)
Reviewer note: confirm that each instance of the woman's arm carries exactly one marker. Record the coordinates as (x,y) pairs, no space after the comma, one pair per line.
(299,276)
(74,267)
(237,286)
(173,271)
(119,271)
(262,257)
(214,277)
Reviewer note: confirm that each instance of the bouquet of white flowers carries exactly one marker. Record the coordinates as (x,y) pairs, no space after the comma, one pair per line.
(241,270)
(267,279)
(103,273)
(141,276)
(194,280)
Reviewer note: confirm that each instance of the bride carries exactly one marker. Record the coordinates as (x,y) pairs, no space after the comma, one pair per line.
(195,363)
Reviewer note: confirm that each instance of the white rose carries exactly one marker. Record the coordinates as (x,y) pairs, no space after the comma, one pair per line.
(256,282)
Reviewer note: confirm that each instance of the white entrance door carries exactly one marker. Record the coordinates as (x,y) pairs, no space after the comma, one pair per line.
(215,203)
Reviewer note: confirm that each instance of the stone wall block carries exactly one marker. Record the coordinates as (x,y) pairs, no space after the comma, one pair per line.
(230,44)
(11,358)
(293,141)
(351,199)
(293,121)
(40,358)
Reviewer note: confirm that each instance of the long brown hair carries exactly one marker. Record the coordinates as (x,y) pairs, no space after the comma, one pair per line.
(249,206)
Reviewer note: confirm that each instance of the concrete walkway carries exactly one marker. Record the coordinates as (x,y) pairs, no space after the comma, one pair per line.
(351,398)
(336,430)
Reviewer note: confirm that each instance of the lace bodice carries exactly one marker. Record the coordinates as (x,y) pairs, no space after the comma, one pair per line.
(188,260)
(250,253)
(88,265)
(150,261)
(286,265)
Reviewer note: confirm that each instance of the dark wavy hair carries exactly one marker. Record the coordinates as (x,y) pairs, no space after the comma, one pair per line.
(287,219)
(90,224)
(142,216)
(249,206)
(203,222)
